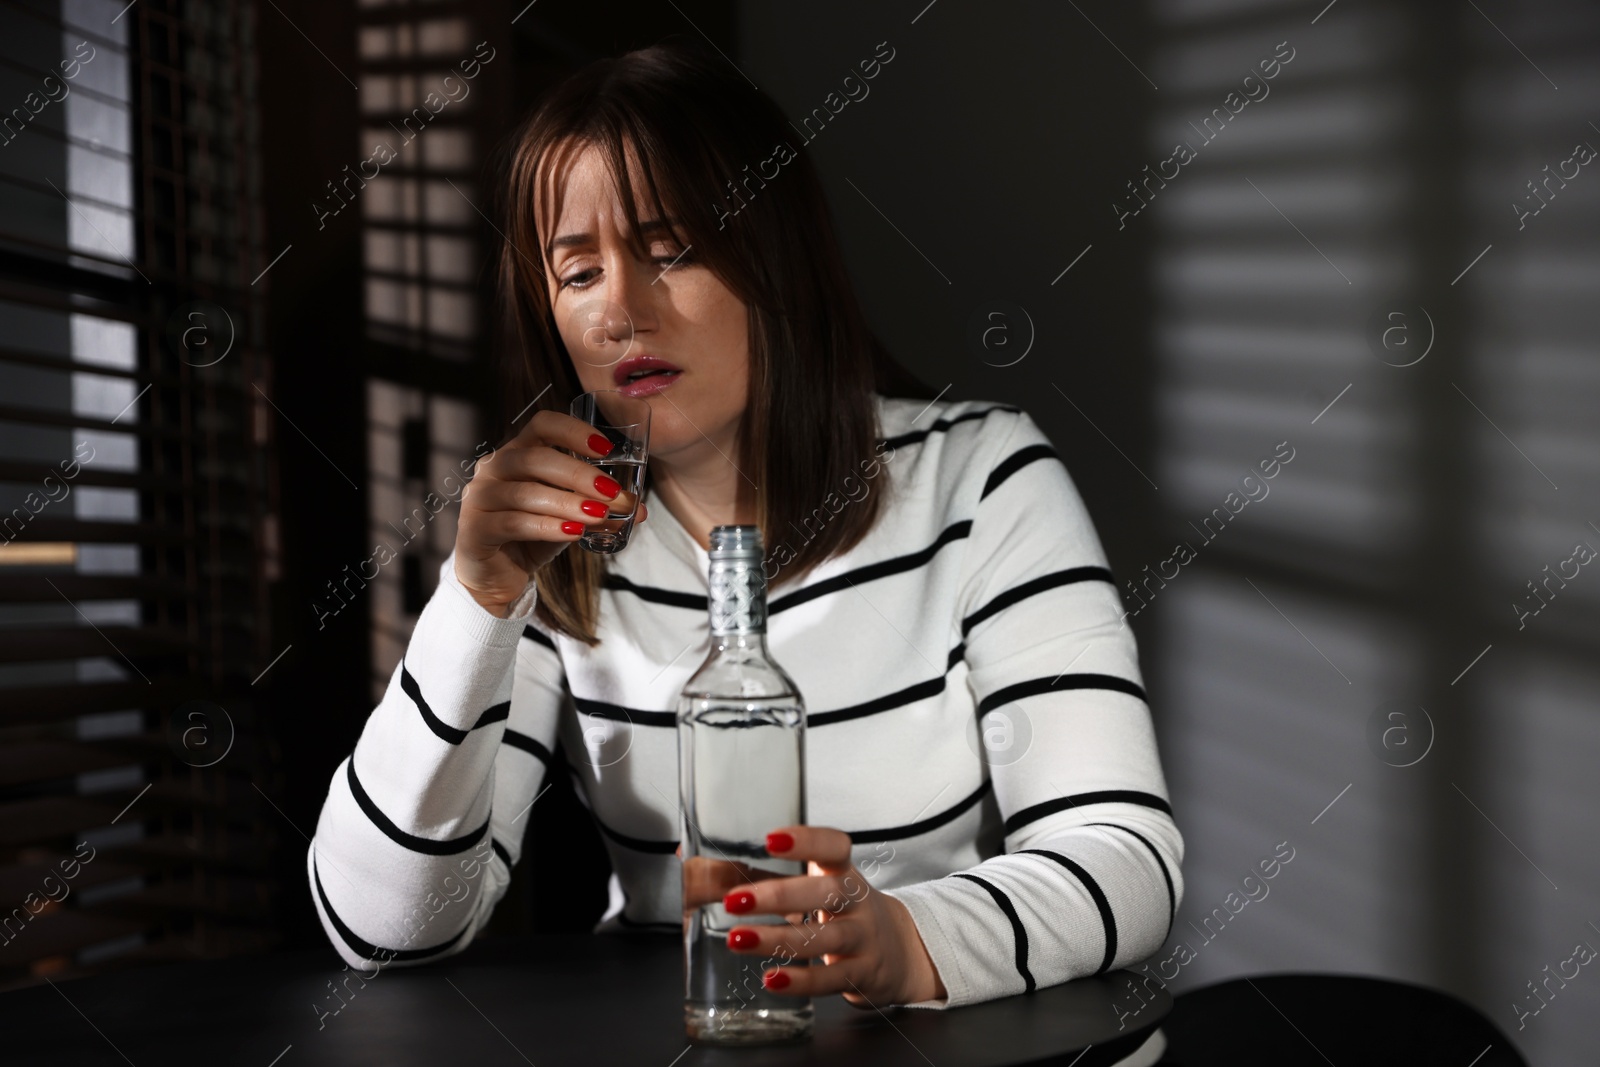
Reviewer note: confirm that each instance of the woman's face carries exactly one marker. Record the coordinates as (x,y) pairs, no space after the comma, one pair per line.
(615,310)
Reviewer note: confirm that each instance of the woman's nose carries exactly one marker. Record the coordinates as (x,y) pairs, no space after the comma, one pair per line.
(604,330)
(630,296)
(605,324)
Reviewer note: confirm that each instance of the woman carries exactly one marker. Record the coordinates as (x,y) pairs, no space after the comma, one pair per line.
(932,572)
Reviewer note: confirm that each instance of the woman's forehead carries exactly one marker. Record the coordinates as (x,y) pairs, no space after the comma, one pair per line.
(578,179)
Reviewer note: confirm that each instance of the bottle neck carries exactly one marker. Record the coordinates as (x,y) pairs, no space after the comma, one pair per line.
(738,644)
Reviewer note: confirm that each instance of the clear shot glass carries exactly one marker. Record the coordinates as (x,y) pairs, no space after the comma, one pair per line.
(625,422)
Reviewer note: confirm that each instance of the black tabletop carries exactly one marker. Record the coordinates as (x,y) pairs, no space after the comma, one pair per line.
(550,1001)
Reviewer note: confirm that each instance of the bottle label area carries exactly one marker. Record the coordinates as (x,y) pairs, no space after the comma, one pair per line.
(738,598)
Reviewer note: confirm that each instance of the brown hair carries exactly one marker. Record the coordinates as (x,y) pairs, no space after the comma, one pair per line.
(698,129)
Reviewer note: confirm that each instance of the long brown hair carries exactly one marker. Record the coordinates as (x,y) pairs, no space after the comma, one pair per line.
(706,142)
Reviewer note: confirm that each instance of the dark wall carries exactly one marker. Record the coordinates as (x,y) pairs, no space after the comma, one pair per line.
(964,183)
(317,699)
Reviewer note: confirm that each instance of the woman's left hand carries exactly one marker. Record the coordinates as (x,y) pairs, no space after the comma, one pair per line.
(867,944)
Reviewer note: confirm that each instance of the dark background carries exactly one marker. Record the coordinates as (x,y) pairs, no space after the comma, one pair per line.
(1358,617)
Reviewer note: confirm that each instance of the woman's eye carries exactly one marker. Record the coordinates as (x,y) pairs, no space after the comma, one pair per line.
(584,278)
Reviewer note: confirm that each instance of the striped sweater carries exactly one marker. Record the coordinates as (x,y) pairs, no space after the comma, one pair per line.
(975,721)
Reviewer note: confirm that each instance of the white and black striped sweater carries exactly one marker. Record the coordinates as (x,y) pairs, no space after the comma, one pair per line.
(981,599)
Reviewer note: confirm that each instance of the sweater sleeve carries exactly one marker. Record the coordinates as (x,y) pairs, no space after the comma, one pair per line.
(1089,879)
(423,821)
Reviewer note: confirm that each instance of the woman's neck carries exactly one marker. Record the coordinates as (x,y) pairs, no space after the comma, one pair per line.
(702,495)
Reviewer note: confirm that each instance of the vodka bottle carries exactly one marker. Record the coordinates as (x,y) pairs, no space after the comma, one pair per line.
(741,759)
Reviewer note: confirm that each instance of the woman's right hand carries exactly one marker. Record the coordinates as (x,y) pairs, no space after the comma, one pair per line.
(525,505)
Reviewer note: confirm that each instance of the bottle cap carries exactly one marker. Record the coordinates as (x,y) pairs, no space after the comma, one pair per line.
(735,543)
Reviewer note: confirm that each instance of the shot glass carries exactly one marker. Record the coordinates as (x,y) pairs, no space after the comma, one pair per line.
(625,422)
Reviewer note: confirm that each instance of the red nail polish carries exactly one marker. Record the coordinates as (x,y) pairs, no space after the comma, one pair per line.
(739,901)
(570,527)
(595,508)
(741,938)
(606,487)
(775,980)
(780,842)
(598,443)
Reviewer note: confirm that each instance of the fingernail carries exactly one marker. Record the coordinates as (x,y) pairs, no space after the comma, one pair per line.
(570,527)
(780,842)
(775,980)
(739,901)
(741,938)
(595,508)
(606,487)
(598,443)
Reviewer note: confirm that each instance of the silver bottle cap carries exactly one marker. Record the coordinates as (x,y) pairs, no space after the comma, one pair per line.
(735,542)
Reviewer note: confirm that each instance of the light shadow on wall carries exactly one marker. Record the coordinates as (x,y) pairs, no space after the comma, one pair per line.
(1319,236)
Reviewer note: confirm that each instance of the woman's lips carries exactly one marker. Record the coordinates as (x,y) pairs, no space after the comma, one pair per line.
(645,375)
(640,365)
(650,384)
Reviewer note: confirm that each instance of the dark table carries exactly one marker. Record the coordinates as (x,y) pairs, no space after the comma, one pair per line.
(549,1001)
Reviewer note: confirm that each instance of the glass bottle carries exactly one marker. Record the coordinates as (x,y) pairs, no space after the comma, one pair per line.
(741,760)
